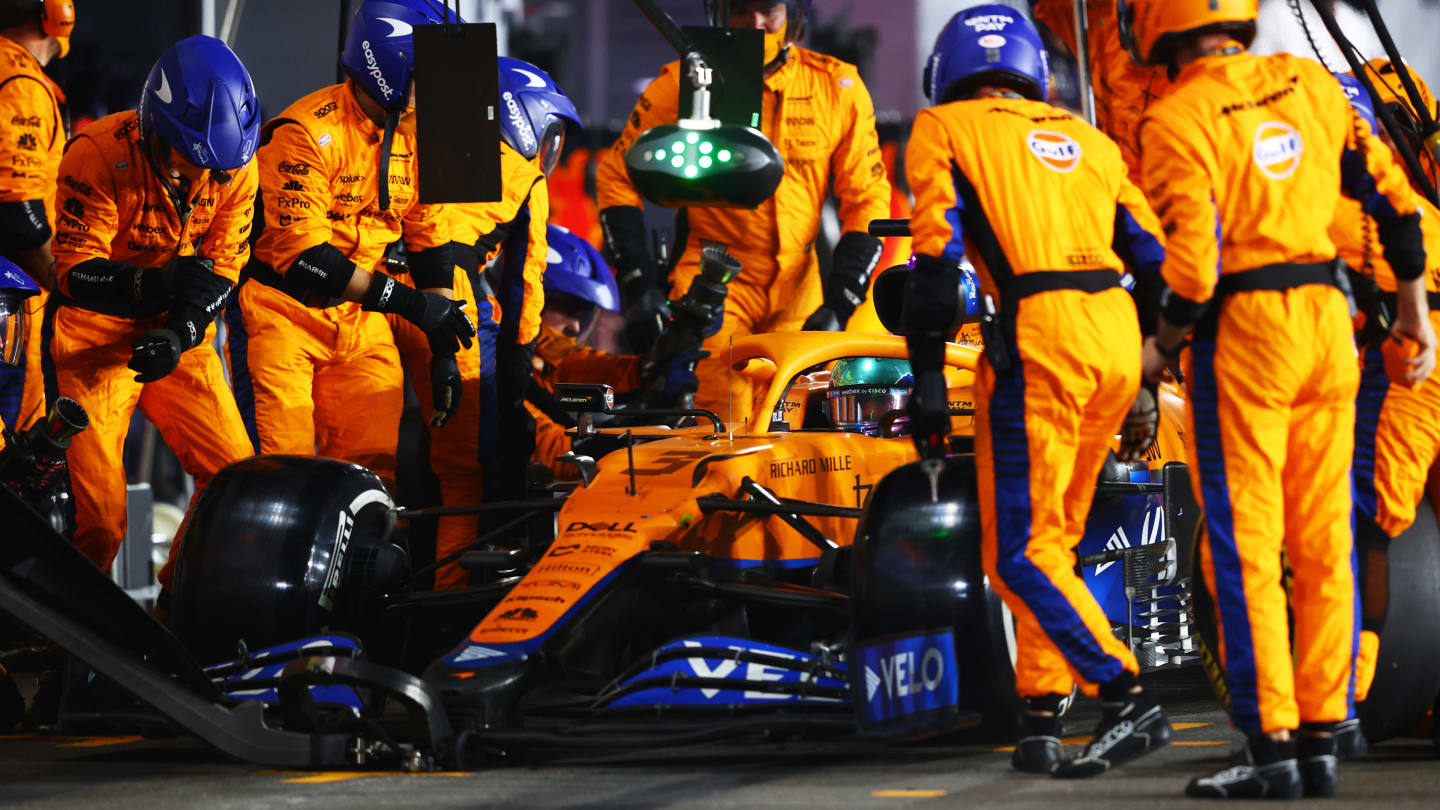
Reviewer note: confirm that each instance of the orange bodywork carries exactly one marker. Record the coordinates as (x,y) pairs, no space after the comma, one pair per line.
(605,525)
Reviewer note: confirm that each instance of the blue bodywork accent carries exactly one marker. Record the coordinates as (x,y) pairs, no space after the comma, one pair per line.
(1135,521)
(789,666)
(255,678)
(908,676)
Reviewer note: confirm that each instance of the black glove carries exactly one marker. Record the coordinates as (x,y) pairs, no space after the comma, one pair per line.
(646,316)
(855,257)
(627,250)
(930,414)
(155,354)
(824,319)
(1141,424)
(445,388)
(932,299)
(196,284)
(442,320)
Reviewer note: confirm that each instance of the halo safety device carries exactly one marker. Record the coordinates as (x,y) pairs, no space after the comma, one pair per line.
(199,100)
(864,389)
(534,112)
(57,19)
(987,45)
(699,161)
(1151,30)
(15,287)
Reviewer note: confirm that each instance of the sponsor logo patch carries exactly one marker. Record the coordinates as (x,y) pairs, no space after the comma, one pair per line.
(908,676)
(1278,149)
(1059,152)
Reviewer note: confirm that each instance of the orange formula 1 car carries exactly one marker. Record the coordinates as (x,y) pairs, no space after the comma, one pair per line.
(703,582)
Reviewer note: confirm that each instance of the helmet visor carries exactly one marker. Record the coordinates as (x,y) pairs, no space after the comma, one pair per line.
(862,407)
(552,145)
(12,330)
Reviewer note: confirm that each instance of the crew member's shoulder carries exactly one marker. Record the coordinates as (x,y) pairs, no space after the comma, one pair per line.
(115,133)
(841,73)
(315,110)
(515,170)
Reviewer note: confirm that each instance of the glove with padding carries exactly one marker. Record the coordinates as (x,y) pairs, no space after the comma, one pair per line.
(646,317)
(515,374)
(445,388)
(852,263)
(824,319)
(443,321)
(196,284)
(930,413)
(1141,425)
(154,354)
(677,380)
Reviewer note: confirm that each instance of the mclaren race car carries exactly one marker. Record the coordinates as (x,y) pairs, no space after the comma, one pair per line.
(702,583)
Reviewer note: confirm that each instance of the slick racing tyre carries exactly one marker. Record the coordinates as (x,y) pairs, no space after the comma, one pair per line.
(280,547)
(1407,670)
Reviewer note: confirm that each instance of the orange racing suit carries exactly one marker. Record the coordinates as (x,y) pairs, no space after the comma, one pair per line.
(1397,428)
(1245,160)
(818,113)
(1040,202)
(32,139)
(463,450)
(114,208)
(325,379)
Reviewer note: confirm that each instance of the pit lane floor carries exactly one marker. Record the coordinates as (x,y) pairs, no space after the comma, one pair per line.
(127,772)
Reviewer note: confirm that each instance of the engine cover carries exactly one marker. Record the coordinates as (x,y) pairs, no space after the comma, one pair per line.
(279,547)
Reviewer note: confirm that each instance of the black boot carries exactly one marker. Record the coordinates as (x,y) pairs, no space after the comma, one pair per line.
(1270,772)
(1129,728)
(1350,740)
(1319,762)
(1039,748)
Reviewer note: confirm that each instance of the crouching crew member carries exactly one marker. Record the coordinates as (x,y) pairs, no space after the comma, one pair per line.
(32,139)
(991,166)
(1397,425)
(157,205)
(469,453)
(313,358)
(1228,154)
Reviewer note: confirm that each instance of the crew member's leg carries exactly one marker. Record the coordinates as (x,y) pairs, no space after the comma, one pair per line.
(359,397)
(274,345)
(196,414)
(86,361)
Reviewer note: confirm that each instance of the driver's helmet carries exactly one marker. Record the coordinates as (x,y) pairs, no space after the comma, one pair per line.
(864,389)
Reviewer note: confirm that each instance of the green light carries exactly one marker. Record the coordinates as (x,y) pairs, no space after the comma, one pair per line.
(677,161)
(706,147)
(692,137)
(724,155)
(691,171)
(705,161)
(677,147)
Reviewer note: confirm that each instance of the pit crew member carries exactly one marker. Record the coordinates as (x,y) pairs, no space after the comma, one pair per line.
(1271,371)
(32,139)
(312,357)
(992,165)
(819,114)
(155,207)
(578,283)
(1397,427)
(1123,90)
(469,453)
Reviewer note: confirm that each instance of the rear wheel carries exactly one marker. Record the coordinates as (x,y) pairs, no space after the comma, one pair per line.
(1407,671)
